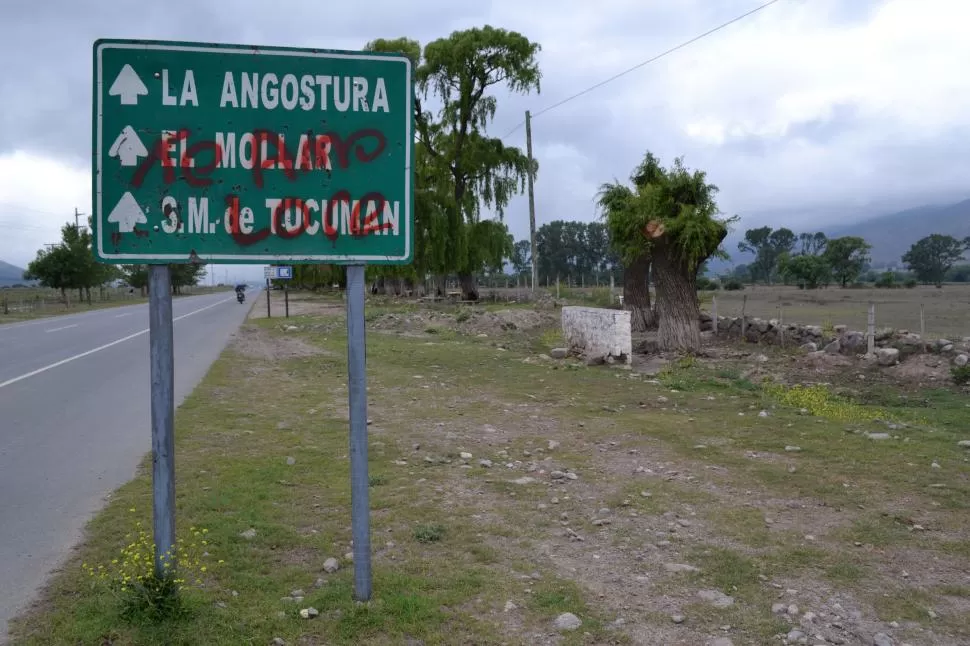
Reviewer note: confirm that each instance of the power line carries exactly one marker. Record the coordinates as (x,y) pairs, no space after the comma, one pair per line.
(646,62)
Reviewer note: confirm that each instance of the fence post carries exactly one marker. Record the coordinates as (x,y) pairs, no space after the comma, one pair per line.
(781,325)
(714,312)
(871,332)
(744,322)
(922,322)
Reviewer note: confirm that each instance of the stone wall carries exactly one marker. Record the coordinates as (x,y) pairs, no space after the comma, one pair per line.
(598,333)
(892,345)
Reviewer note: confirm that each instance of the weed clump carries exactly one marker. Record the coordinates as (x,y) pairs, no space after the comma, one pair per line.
(822,402)
(131,577)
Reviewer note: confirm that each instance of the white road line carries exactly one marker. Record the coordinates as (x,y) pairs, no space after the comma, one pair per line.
(118,316)
(102,347)
(58,329)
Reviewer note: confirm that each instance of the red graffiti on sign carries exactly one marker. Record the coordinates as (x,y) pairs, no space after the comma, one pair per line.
(357,225)
(261,142)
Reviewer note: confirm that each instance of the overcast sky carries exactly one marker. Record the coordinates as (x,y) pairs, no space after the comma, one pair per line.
(803,111)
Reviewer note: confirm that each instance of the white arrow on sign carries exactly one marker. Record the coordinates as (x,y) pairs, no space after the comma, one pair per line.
(127,86)
(127,214)
(128,147)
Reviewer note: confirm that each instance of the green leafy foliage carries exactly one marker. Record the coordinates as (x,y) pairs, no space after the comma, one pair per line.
(847,257)
(668,218)
(767,245)
(573,251)
(931,257)
(458,168)
(806,271)
(70,264)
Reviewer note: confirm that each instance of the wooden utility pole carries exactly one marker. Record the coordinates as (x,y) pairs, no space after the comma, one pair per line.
(532,197)
(77,219)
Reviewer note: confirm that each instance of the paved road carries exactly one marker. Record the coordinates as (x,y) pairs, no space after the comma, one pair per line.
(74,422)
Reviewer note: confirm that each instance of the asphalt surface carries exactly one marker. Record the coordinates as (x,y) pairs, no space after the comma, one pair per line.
(74,422)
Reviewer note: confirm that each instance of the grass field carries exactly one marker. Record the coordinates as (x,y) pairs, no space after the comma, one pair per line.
(23,304)
(679,509)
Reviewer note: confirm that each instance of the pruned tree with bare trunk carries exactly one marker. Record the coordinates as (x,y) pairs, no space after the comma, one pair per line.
(666,225)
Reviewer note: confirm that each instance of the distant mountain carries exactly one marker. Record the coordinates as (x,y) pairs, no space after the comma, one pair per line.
(11,275)
(890,235)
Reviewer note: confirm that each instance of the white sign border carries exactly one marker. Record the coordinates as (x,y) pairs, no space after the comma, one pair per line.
(248,50)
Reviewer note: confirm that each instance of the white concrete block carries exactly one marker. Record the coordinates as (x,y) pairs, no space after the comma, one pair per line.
(598,333)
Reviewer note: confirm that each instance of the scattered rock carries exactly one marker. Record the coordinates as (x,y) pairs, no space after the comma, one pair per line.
(882,639)
(465,455)
(278,641)
(509,606)
(935,465)
(249,534)
(296,593)
(722,641)
(878,436)
(679,567)
(887,356)
(485,463)
(716,597)
(678,619)
(331,565)
(567,621)
(809,347)
(791,448)
(835,347)
(524,480)
(309,613)
(290,460)
(961,360)
(559,353)
(553,445)
(779,608)
(964,444)
(572,476)
(763,413)
(796,636)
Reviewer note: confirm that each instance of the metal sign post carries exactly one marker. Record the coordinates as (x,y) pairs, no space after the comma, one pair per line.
(162,370)
(357,385)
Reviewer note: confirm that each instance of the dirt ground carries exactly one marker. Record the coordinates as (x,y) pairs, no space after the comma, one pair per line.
(687,521)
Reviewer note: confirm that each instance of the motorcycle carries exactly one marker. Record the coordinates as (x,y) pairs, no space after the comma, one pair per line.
(240,297)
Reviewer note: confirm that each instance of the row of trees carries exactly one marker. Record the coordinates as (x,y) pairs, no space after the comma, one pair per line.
(70,265)
(575,252)
(813,260)
(809,259)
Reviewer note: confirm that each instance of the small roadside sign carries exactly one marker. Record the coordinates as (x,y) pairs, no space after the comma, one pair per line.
(237,154)
(277,273)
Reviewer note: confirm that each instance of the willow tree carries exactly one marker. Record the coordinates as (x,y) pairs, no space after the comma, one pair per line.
(667,223)
(464,169)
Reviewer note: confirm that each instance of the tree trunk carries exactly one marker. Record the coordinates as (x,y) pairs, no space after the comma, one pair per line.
(677,310)
(65,297)
(469,287)
(636,294)
(88,293)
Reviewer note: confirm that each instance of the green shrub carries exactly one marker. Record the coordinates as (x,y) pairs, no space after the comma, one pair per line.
(960,374)
(733,284)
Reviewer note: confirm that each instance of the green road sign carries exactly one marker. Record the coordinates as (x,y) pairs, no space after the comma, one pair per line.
(240,154)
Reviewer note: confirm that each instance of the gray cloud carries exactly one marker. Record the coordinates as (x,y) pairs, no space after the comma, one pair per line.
(838,150)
